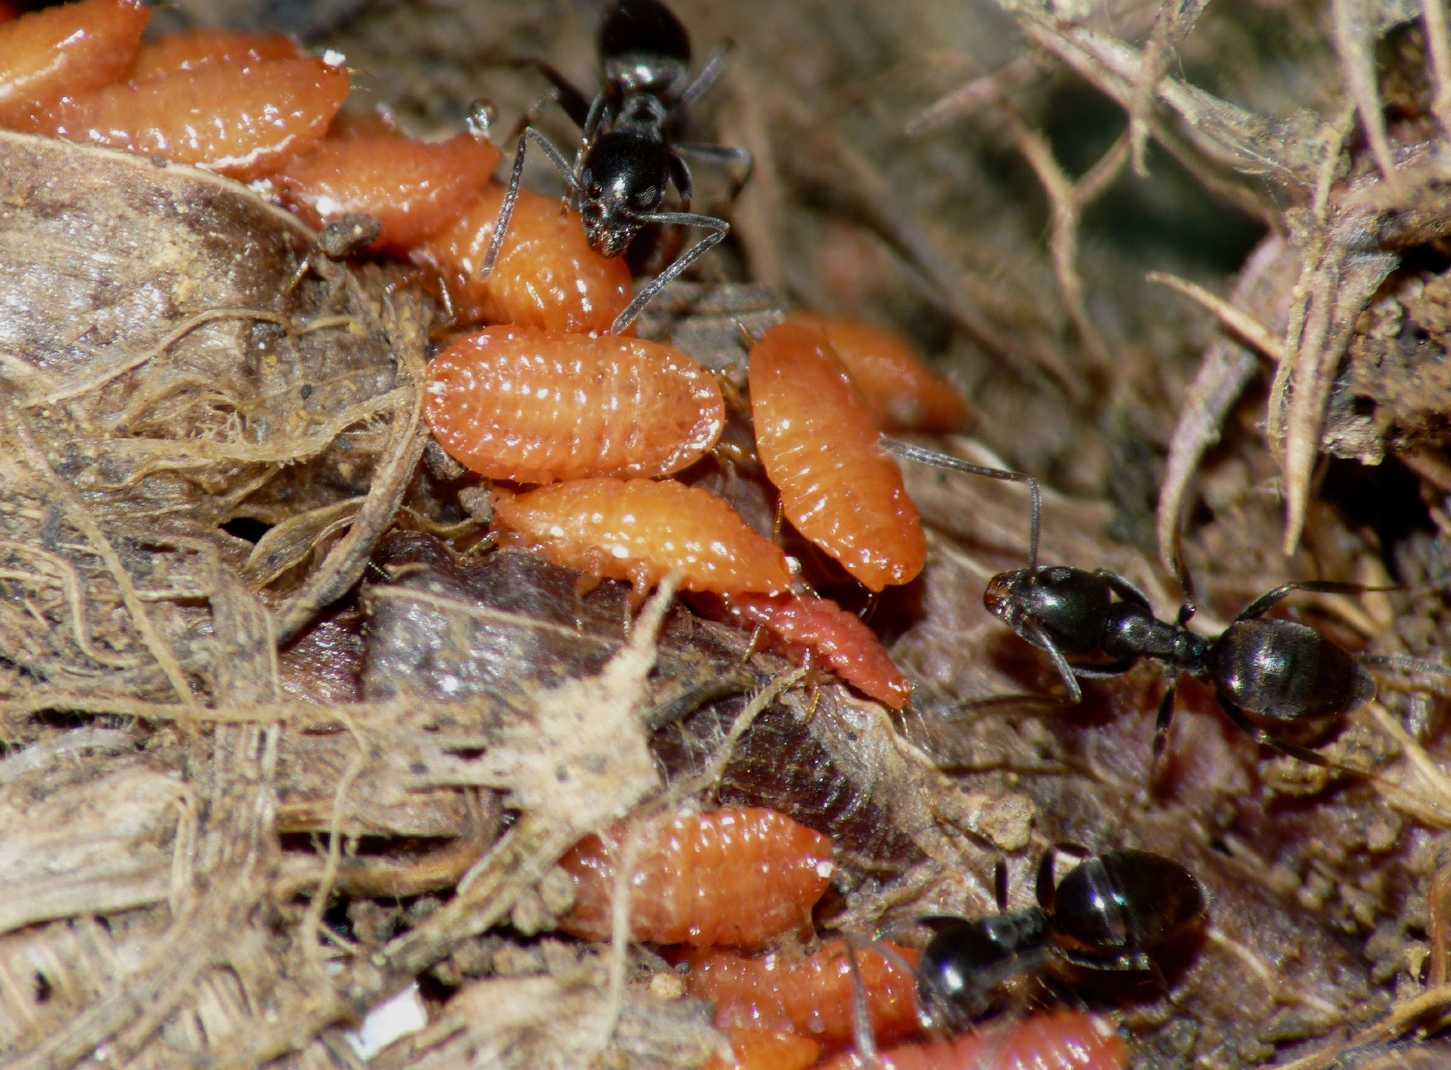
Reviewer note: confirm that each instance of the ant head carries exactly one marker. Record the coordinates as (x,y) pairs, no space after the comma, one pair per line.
(623,180)
(1004,597)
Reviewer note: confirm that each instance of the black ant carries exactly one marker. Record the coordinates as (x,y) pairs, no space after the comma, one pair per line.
(1277,671)
(628,154)
(1111,911)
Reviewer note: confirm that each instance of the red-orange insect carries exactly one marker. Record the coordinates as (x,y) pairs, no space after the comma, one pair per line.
(640,530)
(244,123)
(762,1049)
(818,443)
(199,49)
(811,995)
(903,393)
(71,49)
(412,188)
(537,406)
(811,627)
(1061,1040)
(733,877)
(546,276)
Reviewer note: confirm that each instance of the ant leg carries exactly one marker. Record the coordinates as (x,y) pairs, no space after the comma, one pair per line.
(1000,884)
(1123,588)
(922,455)
(1259,735)
(861,1017)
(1264,602)
(680,175)
(511,197)
(574,103)
(718,228)
(705,81)
(1161,727)
(1404,663)
(723,156)
(1040,639)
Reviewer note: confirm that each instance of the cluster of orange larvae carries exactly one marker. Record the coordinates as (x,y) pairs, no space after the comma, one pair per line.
(731,881)
(595,424)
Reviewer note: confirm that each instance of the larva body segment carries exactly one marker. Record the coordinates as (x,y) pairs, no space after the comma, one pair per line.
(811,995)
(412,188)
(903,393)
(640,530)
(732,877)
(70,49)
(1060,1040)
(818,443)
(764,1049)
(243,123)
(807,626)
(201,49)
(537,406)
(546,276)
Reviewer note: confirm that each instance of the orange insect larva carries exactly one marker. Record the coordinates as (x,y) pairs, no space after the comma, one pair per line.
(1061,1040)
(763,1049)
(71,49)
(819,628)
(640,530)
(903,393)
(546,276)
(412,188)
(818,443)
(181,52)
(537,406)
(732,877)
(811,995)
(244,123)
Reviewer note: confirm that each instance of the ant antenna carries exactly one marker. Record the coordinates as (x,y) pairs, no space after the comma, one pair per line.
(938,459)
(719,228)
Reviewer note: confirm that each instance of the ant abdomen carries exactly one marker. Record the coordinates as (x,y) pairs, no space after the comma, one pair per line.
(1281,670)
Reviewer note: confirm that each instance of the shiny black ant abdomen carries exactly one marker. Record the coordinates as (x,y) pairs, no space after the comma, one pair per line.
(1112,911)
(630,152)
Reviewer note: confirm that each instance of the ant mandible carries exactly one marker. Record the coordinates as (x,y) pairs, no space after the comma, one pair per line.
(1275,671)
(1111,911)
(628,155)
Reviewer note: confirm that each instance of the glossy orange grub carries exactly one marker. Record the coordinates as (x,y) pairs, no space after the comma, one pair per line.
(71,49)
(811,995)
(547,275)
(818,443)
(1061,1040)
(181,52)
(733,877)
(761,1049)
(818,628)
(903,393)
(412,188)
(537,406)
(640,530)
(243,122)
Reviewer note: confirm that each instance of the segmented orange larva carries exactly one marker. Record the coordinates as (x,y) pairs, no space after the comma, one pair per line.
(210,48)
(546,276)
(762,1049)
(242,122)
(1060,1040)
(640,530)
(538,406)
(903,393)
(812,995)
(819,628)
(818,443)
(70,49)
(732,877)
